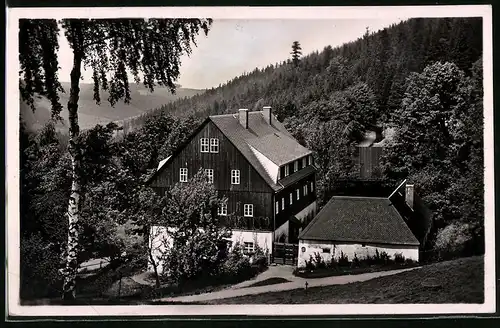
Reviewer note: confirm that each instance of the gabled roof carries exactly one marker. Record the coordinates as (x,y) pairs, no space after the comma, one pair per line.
(359,219)
(271,140)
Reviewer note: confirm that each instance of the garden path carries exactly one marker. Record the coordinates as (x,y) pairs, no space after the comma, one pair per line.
(295,283)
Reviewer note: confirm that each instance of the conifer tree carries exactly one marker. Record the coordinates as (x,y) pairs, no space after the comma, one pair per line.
(296,53)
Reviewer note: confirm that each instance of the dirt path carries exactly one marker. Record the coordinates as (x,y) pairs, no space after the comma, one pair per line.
(283,272)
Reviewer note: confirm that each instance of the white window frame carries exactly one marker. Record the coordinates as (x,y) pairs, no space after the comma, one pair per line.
(210,175)
(248,210)
(214,145)
(283,203)
(222,209)
(183,173)
(309,160)
(312,186)
(305,190)
(204,145)
(248,247)
(287,170)
(291,198)
(235,177)
(295,166)
(304,162)
(277,207)
(298,193)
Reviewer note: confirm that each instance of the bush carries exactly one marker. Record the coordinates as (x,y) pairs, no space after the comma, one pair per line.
(453,240)
(319,263)
(399,258)
(355,261)
(343,260)
(39,268)
(310,264)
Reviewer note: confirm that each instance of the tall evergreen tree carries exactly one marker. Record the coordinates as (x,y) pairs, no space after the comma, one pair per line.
(113,49)
(296,53)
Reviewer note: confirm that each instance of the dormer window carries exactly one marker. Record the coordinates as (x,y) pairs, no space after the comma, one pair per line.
(295,166)
(283,203)
(277,207)
(204,145)
(214,145)
(309,160)
(291,198)
(312,186)
(304,164)
(298,194)
(287,170)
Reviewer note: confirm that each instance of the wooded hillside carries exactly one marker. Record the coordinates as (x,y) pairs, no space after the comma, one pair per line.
(422,78)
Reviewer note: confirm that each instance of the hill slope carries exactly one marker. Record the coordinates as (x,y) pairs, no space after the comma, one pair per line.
(459,281)
(91,114)
(382,60)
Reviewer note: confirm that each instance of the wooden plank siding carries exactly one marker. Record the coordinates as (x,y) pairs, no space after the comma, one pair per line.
(368,160)
(297,205)
(251,190)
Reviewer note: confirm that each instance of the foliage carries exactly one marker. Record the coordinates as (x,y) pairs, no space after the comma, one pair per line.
(197,237)
(40,263)
(343,260)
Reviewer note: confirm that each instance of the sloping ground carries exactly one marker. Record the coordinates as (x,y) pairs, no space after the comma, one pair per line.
(457,281)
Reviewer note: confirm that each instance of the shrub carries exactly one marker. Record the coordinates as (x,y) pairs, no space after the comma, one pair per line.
(39,268)
(399,258)
(310,264)
(343,260)
(452,240)
(319,263)
(385,258)
(355,261)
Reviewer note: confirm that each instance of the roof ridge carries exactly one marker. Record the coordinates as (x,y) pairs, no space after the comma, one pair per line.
(359,197)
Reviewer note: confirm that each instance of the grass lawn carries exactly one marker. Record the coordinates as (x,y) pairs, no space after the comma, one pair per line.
(457,281)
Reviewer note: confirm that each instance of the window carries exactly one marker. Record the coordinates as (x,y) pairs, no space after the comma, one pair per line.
(248,210)
(291,198)
(305,190)
(295,166)
(277,207)
(222,210)
(204,145)
(326,250)
(214,145)
(298,194)
(248,247)
(287,170)
(183,174)
(312,186)
(283,203)
(304,164)
(309,160)
(235,176)
(210,175)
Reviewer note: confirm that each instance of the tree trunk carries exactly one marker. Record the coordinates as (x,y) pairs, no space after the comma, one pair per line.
(69,287)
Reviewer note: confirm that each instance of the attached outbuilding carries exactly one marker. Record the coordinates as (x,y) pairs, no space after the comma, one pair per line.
(357,225)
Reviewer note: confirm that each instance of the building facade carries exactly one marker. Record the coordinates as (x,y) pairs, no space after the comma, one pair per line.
(267,177)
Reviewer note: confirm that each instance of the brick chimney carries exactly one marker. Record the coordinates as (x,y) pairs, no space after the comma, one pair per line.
(243,114)
(267,111)
(410,189)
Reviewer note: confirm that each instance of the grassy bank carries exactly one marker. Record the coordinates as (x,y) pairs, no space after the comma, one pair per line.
(457,281)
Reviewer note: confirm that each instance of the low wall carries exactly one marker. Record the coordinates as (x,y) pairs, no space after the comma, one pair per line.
(309,248)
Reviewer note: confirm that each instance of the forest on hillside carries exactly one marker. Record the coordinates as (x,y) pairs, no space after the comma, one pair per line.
(422,78)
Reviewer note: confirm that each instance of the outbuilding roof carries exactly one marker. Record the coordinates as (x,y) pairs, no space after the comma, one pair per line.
(359,220)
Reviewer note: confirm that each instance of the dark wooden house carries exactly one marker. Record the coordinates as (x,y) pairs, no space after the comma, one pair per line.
(267,177)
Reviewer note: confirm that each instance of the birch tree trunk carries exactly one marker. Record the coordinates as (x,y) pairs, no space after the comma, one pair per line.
(69,287)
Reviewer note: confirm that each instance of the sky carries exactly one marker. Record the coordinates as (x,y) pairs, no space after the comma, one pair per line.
(235,46)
